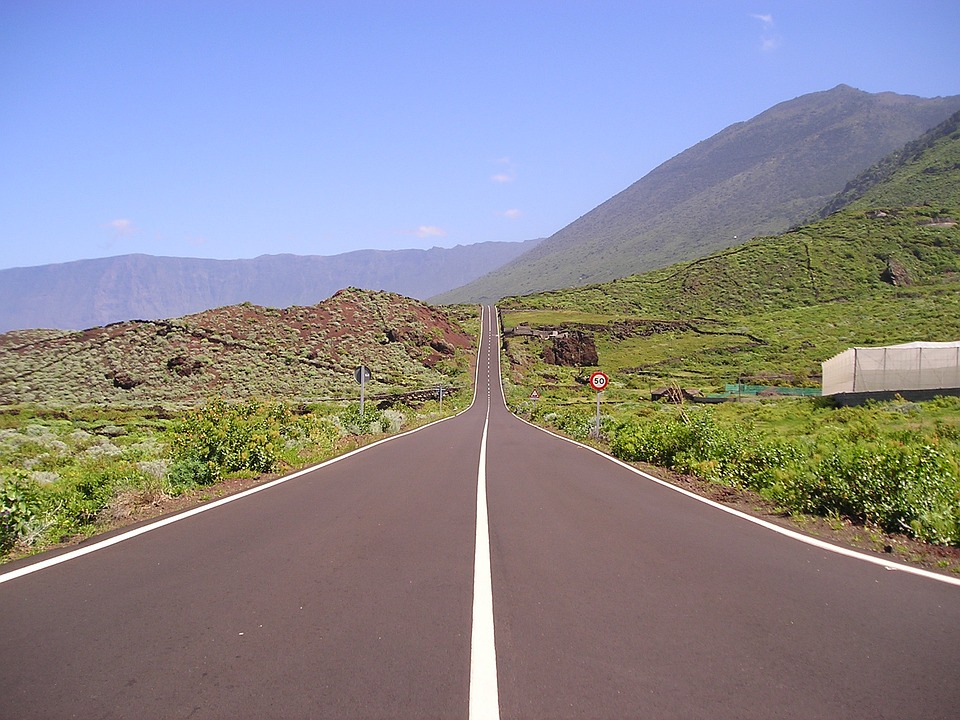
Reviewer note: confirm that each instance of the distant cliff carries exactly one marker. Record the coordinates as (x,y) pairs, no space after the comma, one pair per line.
(90,293)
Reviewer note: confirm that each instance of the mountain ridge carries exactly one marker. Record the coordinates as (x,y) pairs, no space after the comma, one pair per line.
(753,178)
(892,179)
(884,269)
(88,293)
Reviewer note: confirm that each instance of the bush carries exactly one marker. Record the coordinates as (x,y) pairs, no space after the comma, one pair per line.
(897,481)
(225,438)
(900,488)
(394,420)
(578,424)
(700,446)
(73,504)
(370,422)
(19,502)
(188,472)
(684,445)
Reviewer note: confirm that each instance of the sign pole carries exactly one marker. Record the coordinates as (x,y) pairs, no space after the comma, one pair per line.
(598,381)
(362,375)
(597,431)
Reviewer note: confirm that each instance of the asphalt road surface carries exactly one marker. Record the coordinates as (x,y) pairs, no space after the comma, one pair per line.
(367,588)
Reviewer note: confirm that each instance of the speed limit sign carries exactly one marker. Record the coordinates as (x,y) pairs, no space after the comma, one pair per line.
(598,381)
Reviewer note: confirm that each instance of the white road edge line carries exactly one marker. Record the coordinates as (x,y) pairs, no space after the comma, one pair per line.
(806,539)
(130,534)
(484,690)
(79,552)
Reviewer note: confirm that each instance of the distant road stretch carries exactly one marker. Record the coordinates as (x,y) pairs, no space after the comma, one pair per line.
(367,588)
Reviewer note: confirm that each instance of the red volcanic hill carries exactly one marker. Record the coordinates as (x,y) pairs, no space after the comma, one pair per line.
(304,353)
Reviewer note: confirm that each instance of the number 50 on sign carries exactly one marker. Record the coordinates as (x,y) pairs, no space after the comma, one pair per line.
(598,381)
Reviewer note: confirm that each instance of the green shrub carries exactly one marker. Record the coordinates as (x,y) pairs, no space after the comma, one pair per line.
(899,487)
(700,446)
(188,472)
(673,443)
(72,505)
(578,424)
(19,503)
(370,422)
(226,438)
(897,481)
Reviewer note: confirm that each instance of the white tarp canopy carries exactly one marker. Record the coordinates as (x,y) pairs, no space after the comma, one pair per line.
(911,366)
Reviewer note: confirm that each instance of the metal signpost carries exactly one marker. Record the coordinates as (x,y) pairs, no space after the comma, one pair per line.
(598,381)
(362,375)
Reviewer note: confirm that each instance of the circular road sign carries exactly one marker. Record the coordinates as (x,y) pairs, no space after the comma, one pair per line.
(362,375)
(598,381)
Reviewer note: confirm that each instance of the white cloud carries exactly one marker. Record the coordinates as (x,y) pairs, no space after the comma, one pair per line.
(508,174)
(122,226)
(512,213)
(426,231)
(769,39)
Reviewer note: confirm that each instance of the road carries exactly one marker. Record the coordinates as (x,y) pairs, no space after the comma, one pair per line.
(367,588)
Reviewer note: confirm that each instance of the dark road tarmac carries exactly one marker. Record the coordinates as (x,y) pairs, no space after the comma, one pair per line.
(348,592)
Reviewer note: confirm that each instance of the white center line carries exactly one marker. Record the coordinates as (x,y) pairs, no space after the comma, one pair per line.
(484,692)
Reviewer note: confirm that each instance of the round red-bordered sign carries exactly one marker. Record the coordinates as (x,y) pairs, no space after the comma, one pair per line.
(598,381)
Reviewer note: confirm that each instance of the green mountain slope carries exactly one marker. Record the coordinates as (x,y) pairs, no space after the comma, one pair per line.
(913,175)
(753,178)
(872,273)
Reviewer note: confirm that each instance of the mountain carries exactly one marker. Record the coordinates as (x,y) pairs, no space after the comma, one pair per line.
(240,351)
(88,293)
(883,269)
(923,172)
(753,178)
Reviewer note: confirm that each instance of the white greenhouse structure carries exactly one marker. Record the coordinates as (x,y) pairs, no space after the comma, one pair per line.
(895,368)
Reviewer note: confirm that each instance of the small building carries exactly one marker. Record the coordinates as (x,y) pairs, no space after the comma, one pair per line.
(916,371)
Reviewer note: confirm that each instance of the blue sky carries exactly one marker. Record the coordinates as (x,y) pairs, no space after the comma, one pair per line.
(235,129)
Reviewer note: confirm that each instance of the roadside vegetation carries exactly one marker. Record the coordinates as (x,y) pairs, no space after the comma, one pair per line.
(891,465)
(69,470)
(70,473)
(769,313)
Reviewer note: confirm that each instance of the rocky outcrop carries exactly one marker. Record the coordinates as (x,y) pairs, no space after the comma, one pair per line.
(184,366)
(896,274)
(675,395)
(573,348)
